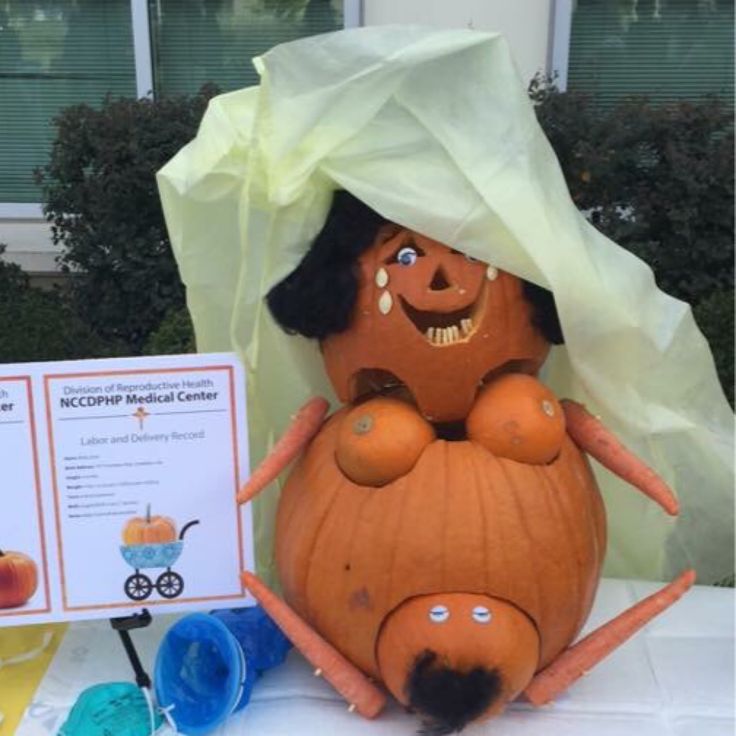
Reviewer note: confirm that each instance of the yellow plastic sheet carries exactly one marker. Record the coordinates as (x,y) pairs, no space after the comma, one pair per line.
(434,130)
(25,654)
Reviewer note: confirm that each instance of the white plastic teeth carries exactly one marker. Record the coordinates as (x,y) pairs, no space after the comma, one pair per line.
(385,302)
(491,273)
(381,277)
(451,334)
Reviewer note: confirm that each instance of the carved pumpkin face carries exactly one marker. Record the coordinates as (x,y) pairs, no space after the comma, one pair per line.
(433,320)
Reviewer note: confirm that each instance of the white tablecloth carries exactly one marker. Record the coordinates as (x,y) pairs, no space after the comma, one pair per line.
(675,678)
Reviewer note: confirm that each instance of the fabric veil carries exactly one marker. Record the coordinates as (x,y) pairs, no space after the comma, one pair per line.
(434,130)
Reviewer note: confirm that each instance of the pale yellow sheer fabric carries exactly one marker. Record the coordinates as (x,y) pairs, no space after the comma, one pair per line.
(434,130)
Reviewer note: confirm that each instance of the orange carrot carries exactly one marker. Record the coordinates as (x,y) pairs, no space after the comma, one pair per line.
(589,651)
(304,425)
(347,679)
(591,436)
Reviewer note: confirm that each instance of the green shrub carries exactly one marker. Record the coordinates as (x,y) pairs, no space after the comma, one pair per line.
(173,336)
(36,324)
(659,181)
(100,195)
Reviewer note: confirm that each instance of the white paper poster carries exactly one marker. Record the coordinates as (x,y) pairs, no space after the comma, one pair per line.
(119,480)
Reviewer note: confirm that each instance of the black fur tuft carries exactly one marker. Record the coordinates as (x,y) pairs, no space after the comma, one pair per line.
(317,298)
(544,317)
(449,699)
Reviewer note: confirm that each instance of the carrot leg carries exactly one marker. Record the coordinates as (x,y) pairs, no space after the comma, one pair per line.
(593,437)
(345,677)
(304,425)
(589,651)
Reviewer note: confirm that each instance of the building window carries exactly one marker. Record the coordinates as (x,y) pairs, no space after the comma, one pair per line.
(200,42)
(56,53)
(666,50)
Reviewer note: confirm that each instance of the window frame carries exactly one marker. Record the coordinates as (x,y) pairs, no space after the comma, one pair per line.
(559,39)
(558,59)
(143,59)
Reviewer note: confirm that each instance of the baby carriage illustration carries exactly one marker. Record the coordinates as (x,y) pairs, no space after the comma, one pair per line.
(169,584)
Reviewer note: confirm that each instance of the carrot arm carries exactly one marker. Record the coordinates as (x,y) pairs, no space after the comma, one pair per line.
(589,651)
(593,437)
(304,425)
(347,679)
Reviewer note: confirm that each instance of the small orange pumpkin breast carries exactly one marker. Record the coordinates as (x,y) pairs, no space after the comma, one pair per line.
(462,520)
(518,417)
(381,440)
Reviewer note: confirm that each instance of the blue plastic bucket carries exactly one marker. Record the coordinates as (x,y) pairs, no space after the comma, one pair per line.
(207,664)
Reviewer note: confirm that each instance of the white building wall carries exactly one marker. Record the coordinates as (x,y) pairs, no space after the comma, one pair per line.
(29,245)
(524,23)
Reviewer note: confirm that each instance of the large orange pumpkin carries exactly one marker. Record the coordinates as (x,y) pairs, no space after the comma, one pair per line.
(462,520)
(18,579)
(431,319)
(149,529)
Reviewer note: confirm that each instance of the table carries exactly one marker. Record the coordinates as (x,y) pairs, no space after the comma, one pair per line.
(675,678)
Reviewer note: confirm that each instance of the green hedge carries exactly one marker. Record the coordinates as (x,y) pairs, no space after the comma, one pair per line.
(174,335)
(36,324)
(101,199)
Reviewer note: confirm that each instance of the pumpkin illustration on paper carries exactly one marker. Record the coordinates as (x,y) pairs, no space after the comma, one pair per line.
(151,542)
(148,528)
(443,533)
(18,579)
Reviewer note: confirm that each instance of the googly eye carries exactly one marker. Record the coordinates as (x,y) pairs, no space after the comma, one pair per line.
(407,256)
(438,614)
(481,614)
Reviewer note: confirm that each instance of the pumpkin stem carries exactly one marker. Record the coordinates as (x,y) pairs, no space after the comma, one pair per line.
(148,513)
(2,554)
(363,424)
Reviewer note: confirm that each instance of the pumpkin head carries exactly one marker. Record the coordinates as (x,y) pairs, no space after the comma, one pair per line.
(451,643)
(18,579)
(149,529)
(433,320)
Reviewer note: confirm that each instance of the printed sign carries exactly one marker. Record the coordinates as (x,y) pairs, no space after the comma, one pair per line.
(119,481)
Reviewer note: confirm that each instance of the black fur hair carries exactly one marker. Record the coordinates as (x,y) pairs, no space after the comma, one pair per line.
(317,298)
(447,699)
(544,315)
